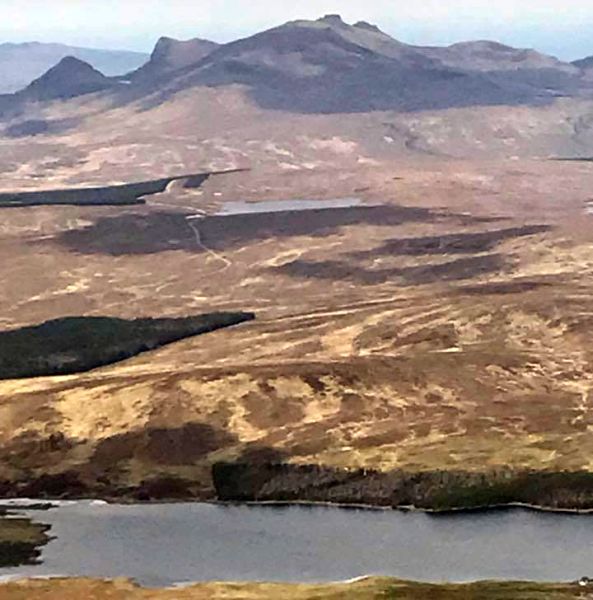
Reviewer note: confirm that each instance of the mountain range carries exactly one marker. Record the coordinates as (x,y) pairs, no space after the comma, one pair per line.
(372,96)
(329,66)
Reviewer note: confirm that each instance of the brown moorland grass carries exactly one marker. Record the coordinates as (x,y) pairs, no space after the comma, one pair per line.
(371,589)
(447,330)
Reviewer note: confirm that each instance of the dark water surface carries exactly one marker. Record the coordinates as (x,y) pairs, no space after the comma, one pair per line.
(159,545)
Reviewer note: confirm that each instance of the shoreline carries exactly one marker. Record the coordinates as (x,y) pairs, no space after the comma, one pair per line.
(410,509)
(46,504)
(340,582)
(438,492)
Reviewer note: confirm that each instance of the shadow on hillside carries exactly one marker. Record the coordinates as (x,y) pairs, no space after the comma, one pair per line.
(33,127)
(466,267)
(462,268)
(454,243)
(165,447)
(158,232)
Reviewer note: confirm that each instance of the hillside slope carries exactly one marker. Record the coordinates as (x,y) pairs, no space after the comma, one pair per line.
(442,326)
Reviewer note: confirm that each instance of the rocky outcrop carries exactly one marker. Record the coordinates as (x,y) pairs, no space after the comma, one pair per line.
(170,55)
(259,482)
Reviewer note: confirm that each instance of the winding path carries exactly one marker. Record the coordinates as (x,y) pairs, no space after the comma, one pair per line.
(197,215)
(190,221)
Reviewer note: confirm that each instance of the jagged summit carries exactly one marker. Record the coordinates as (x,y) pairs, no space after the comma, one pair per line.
(583,63)
(170,54)
(332,20)
(72,64)
(367,26)
(489,45)
(178,53)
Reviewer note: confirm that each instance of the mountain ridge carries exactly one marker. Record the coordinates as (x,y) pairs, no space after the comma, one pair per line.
(330,66)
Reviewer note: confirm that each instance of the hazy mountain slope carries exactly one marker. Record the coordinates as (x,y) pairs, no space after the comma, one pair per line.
(20,64)
(585,66)
(485,55)
(220,128)
(520,69)
(69,79)
(170,54)
(584,63)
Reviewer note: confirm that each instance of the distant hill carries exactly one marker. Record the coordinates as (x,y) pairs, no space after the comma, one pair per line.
(71,77)
(521,69)
(486,55)
(20,64)
(584,63)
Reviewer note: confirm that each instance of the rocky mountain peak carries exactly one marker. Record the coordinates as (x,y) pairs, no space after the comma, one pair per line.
(367,26)
(333,20)
(170,54)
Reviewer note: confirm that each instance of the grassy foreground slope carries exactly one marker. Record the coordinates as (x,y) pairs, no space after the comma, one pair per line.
(446,330)
(371,589)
